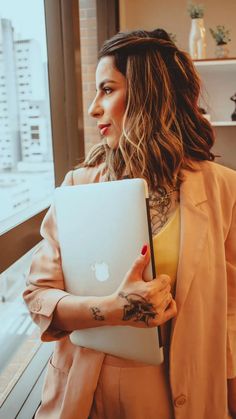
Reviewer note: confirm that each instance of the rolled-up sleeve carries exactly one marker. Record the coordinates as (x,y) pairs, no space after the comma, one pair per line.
(45,283)
(231,318)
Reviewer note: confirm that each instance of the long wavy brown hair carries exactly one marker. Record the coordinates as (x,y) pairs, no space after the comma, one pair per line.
(164,130)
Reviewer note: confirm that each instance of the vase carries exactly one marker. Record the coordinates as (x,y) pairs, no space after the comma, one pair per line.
(197,39)
(222,51)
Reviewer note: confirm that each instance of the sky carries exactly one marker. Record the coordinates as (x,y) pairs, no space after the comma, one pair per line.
(27,17)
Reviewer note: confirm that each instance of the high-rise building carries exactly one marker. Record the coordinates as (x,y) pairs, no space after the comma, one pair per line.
(10,148)
(32,100)
(26,163)
(25,130)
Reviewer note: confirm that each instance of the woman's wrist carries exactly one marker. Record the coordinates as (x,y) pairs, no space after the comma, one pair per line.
(103,310)
(75,312)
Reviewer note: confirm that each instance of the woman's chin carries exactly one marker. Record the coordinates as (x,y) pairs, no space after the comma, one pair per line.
(112,143)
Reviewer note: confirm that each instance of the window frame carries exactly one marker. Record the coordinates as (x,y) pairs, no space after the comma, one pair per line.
(64,72)
(107,19)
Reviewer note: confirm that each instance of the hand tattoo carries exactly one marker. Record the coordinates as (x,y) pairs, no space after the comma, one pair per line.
(138,308)
(97,313)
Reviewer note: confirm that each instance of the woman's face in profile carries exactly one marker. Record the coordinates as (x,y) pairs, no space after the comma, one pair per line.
(108,106)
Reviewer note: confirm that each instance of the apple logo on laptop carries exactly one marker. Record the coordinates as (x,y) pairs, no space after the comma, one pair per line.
(101,271)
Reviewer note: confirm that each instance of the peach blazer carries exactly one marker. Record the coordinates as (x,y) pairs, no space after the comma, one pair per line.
(203,345)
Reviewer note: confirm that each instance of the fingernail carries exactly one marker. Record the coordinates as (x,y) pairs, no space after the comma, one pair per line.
(144,250)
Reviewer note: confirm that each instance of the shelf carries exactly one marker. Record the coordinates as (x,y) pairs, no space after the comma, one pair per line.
(215,62)
(218,84)
(220,67)
(223,123)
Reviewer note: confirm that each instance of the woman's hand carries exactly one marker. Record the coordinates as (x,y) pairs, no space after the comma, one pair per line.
(135,303)
(143,304)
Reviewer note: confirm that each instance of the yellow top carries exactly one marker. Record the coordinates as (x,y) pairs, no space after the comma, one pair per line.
(166,254)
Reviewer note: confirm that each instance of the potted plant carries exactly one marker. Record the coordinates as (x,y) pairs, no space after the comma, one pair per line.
(196,11)
(221,36)
(197,36)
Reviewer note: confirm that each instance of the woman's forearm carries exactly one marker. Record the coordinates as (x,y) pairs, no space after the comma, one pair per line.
(232,397)
(74,312)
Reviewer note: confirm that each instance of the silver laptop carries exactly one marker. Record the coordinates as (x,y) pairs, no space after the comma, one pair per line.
(102,228)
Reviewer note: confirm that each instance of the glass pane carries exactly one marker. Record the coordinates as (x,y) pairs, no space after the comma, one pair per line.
(19,336)
(26,160)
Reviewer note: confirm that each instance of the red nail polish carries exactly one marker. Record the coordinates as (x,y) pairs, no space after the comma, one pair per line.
(144,250)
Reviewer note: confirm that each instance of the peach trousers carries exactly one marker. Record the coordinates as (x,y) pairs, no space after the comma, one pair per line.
(131,390)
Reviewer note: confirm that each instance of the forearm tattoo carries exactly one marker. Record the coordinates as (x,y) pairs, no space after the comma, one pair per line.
(96,312)
(138,308)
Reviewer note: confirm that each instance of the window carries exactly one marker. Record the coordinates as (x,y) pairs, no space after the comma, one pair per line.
(20,231)
(19,20)
(16,325)
(16,191)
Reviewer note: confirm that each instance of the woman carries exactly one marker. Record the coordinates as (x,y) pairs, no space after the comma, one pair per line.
(146,107)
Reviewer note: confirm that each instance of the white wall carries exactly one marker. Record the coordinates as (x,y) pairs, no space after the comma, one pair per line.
(172,16)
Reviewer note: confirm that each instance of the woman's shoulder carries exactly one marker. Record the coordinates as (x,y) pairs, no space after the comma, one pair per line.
(212,170)
(221,173)
(208,177)
(84,175)
(220,178)
(219,169)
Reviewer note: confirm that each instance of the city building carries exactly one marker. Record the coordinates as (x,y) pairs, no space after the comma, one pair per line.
(10,142)
(26,167)
(32,100)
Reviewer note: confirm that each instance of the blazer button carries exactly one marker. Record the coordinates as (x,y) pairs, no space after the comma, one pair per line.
(180,400)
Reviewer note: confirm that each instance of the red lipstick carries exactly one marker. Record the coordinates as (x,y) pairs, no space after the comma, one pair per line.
(103,128)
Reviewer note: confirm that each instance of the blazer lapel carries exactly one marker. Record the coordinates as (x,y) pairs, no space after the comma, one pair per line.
(194,225)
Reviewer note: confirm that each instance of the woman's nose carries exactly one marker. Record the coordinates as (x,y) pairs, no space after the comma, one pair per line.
(95,110)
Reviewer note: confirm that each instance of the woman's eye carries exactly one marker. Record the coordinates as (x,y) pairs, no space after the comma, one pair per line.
(107,90)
